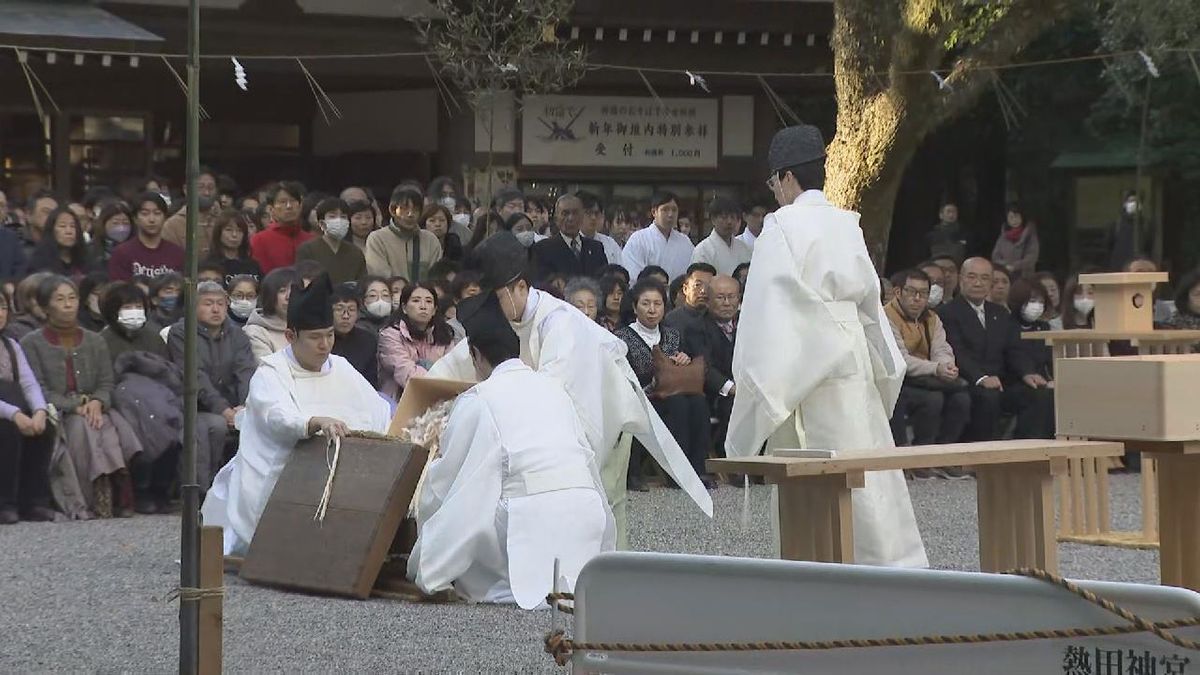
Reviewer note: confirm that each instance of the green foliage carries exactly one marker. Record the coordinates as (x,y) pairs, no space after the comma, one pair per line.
(974,20)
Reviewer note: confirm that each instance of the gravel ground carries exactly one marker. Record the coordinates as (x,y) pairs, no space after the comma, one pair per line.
(89,596)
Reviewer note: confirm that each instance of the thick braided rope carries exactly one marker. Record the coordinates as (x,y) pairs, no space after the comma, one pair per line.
(561,647)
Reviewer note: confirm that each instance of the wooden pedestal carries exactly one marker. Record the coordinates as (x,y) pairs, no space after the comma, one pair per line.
(1016,516)
(816,520)
(1124,301)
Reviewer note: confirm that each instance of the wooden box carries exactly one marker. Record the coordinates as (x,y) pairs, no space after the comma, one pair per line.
(1124,300)
(1152,398)
(421,394)
(343,555)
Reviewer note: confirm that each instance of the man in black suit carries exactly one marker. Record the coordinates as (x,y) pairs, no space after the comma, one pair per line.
(568,253)
(689,316)
(724,301)
(987,345)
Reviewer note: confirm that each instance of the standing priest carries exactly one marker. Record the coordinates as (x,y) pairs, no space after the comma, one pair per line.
(816,365)
(297,392)
(588,361)
(515,486)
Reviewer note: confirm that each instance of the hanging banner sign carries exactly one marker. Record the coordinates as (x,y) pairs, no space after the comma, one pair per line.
(619,131)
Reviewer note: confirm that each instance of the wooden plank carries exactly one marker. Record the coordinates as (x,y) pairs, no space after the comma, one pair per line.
(212,575)
(816,519)
(1078,501)
(917,457)
(1080,335)
(1091,509)
(1066,518)
(1045,543)
(1149,498)
(1103,514)
(1170,554)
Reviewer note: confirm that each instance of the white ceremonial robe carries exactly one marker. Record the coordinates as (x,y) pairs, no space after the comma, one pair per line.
(590,363)
(648,247)
(283,397)
(816,364)
(725,257)
(514,488)
(612,250)
(747,237)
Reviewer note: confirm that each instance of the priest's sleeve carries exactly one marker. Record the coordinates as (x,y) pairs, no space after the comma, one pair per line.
(271,401)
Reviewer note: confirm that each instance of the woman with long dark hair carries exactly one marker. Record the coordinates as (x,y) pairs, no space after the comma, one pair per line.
(230,245)
(437,219)
(1187,302)
(113,226)
(417,337)
(62,249)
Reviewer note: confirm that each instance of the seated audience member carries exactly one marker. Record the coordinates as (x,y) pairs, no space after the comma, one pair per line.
(717,336)
(127,327)
(987,347)
(594,227)
(1141,264)
(654,272)
(538,212)
(1053,316)
(886,291)
(1017,246)
(307,271)
(111,228)
(397,285)
(402,248)
(688,317)
(308,209)
(1027,304)
(584,294)
(1001,283)
(443,272)
(75,372)
(554,284)
(615,271)
(276,246)
(342,260)
(1078,302)
(210,271)
(375,300)
(262,219)
(488,224)
(62,249)
(722,249)
(166,299)
(26,437)
(352,342)
(416,338)
(937,283)
(933,398)
(230,246)
(143,283)
(1187,303)
(436,219)
(466,285)
(612,290)
(686,415)
(741,273)
(514,428)
(571,253)
(675,291)
(147,254)
(522,228)
(29,316)
(362,223)
(267,326)
(243,298)
(91,290)
(949,276)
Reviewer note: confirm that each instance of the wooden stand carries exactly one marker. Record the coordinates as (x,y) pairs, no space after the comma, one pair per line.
(1124,300)
(1015,492)
(212,612)
(1178,479)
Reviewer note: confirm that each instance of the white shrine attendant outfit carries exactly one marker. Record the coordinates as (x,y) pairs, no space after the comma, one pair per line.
(747,237)
(589,362)
(816,364)
(515,488)
(725,256)
(612,250)
(283,397)
(649,246)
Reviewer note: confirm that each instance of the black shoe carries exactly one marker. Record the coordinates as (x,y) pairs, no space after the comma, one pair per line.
(145,506)
(40,514)
(8,517)
(636,484)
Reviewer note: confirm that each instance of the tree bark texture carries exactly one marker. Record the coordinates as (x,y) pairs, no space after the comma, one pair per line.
(889,101)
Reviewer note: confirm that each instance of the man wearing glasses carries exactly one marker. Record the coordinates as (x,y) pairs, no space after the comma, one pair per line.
(276,246)
(934,399)
(815,365)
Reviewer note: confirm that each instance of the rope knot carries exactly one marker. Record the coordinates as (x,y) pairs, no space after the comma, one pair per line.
(559,646)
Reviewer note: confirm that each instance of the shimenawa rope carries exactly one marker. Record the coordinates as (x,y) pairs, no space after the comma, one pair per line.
(561,647)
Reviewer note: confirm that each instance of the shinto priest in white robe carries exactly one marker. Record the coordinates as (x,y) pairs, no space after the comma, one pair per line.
(816,365)
(589,362)
(283,397)
(515,487)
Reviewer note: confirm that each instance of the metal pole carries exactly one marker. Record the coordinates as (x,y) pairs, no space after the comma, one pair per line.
(189,570)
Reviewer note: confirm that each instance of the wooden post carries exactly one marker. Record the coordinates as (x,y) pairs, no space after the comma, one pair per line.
(212,575)
(1179,520)
(816,517)
(1016,516)
(1149,498)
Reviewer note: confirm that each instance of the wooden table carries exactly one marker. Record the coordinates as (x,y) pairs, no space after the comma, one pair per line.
(1014,486)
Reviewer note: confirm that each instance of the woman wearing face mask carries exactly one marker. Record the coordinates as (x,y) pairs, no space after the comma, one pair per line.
(341,259)
(128,328)
(166,299)
(243,298)
(522,227)
(92,290)
(266,327)
(436,218)
(417,337)
(375,296)
(62,249)
(1027,302)
(230,245)
(460,223)
(113,226)
(1053,315)
(1078,302)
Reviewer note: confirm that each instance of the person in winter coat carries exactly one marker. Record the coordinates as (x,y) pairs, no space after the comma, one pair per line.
(149,395)
(26,436)
(124,310)
(1017,246)
(415,340)
(266,326)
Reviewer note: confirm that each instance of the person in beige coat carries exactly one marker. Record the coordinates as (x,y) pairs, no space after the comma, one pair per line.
(267,325)
(175,227)
(402,249)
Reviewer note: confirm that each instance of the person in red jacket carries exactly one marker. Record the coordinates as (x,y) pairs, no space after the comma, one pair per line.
(276,246)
